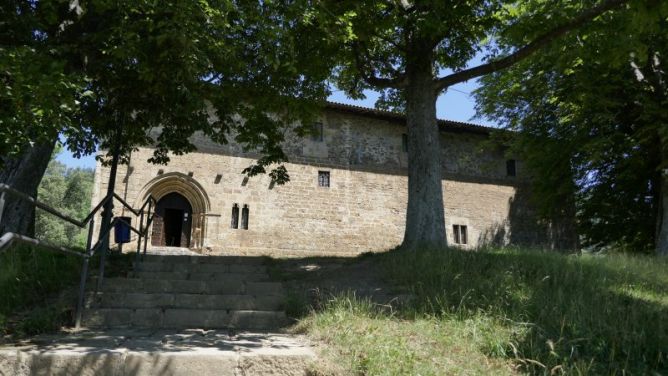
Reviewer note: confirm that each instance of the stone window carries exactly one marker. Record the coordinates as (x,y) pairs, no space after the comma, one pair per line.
(323,178)
(511,168)
(244,217)
(235,216)
(404,143)
(317,134)
(460,232)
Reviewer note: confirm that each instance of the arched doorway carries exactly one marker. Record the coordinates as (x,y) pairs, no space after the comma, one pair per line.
(185,186)
(172,222)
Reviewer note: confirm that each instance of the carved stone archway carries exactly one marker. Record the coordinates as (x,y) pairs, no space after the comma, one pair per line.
(191,190)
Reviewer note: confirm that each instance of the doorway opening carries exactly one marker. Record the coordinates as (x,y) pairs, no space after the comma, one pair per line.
(173,227)
(172,221)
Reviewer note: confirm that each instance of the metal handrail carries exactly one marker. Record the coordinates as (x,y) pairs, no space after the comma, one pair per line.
(7,239)
(79,223)
(10,238)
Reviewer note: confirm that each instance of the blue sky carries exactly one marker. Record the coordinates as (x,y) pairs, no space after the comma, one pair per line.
(455,104)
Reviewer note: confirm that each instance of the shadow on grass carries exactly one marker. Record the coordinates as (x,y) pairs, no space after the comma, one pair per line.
(555,313)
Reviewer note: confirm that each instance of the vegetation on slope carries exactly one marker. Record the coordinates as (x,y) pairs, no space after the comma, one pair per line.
(30,280)
(504,311)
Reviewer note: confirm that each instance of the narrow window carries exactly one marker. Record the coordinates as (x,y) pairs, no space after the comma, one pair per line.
(244,217)
(235,216)
(510,167)
(323,178)
(317,132)
(404,143)
(460,234)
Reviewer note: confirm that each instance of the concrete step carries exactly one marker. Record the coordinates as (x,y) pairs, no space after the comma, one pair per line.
(198,268)
(185,301)
(176,286)
(229,260)
(183,318)
(144,353)
(197,276)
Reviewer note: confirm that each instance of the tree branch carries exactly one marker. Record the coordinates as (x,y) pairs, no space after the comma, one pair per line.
(367,74)
(528,49)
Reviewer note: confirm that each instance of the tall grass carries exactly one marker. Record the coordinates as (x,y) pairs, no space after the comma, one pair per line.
(29,279)
(543,313)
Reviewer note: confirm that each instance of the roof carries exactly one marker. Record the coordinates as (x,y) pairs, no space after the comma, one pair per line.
(445,125)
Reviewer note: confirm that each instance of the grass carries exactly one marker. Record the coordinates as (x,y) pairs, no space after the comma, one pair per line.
(504,312)
(29,278)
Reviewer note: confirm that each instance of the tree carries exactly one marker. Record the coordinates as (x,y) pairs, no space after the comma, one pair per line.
(601,96)
(402,47)
(37,97)
(68,190)
(154,73)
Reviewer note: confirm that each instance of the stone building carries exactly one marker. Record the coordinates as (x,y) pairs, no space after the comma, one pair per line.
(347,194)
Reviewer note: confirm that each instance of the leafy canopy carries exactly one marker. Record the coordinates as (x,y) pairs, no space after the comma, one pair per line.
(152,73)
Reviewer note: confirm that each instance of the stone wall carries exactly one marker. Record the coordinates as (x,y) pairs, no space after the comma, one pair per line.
(364,207)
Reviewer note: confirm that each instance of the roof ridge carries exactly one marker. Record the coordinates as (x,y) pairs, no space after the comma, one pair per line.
(447,124)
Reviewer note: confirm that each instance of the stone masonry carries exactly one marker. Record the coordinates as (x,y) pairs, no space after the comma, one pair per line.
(362,210)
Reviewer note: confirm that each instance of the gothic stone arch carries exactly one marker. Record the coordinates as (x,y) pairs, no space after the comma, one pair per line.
(171,186)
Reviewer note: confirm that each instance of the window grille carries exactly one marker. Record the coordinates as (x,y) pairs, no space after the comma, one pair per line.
(323,178)
(460,234)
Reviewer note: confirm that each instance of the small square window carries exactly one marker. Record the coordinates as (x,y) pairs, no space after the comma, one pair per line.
(511,168)
(460,234)
(404,143)
(317,132)
(323,178)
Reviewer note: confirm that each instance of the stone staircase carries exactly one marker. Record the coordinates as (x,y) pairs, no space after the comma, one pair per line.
(189,292)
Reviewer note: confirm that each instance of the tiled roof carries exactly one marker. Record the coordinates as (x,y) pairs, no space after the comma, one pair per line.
(446,125)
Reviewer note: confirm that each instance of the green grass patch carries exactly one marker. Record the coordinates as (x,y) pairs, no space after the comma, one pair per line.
(29,280)
(505,311)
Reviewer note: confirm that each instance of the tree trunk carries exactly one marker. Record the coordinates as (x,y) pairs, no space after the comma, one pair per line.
(662,238)
(425,220)
(662,217)
(23,173)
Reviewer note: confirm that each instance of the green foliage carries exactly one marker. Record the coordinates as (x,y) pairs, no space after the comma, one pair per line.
(68,190)
(589,126)
(503,311)
(29,278)
(148,73)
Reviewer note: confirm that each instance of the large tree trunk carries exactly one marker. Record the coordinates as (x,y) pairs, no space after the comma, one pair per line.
(662,236)
(425,220)
(23,173)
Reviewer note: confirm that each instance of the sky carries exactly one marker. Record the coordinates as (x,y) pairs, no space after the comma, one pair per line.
(455,104)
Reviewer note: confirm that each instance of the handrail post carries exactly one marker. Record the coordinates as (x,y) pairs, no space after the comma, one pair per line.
(149,220)
(103,260)
(84,277)
(141,231)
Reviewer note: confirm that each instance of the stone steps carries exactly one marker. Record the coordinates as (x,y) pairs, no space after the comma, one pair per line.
(189,292)
(147,352)
(224,302)
(200,276)
(198,267)
(206,260)
(178,318)
(153,286)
